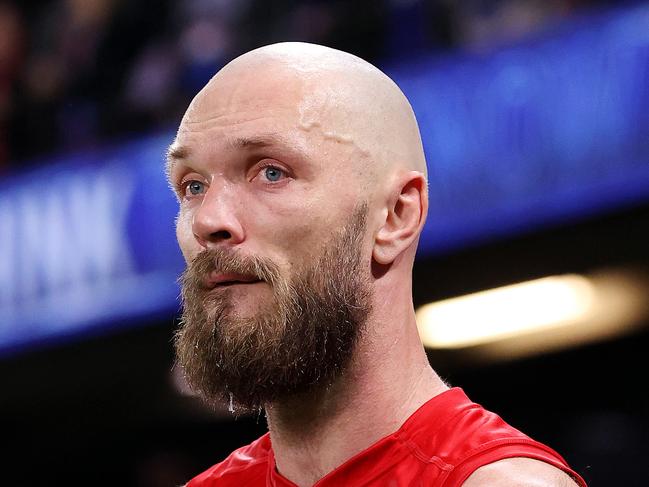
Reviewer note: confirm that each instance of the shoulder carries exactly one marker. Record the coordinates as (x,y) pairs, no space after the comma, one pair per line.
(248,463)
(485,450)
(519,472)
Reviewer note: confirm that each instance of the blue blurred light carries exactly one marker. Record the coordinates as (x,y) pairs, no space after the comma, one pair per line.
(545,131)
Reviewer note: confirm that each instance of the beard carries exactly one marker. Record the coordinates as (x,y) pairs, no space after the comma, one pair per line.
(301,339)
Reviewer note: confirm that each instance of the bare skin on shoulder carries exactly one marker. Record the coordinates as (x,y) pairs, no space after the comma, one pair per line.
(302,186)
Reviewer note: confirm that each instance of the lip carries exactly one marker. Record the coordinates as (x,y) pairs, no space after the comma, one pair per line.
(217,279)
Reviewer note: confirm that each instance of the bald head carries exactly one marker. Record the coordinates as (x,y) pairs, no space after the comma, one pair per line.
(339,96)
(327,122)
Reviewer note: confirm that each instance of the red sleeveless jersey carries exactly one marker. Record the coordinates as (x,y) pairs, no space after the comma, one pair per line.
(440,445)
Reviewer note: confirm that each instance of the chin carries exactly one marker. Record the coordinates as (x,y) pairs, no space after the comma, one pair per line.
(247,299)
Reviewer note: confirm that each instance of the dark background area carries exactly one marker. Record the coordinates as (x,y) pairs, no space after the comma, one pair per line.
(77,73)
(104,410)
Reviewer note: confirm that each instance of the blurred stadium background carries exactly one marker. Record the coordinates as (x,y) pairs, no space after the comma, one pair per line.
(535,119)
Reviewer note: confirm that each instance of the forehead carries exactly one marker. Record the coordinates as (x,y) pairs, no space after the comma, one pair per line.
(307,116)
(246,105)
(235,91)
(242,104)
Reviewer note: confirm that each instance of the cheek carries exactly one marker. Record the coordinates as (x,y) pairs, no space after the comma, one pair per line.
(287,220)
(301,239)
(185,236)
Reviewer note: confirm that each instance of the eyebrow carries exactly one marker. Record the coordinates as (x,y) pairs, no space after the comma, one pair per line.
(178,153)
(256,142)
(175,153)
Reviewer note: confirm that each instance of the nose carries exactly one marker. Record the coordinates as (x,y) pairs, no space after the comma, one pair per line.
(215,222)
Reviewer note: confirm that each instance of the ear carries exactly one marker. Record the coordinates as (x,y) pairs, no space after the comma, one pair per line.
(406,214)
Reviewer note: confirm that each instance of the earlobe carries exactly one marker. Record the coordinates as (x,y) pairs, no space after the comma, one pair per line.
(405,218)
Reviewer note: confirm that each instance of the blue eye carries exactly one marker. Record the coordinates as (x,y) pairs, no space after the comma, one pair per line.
(196,187)
(273,174)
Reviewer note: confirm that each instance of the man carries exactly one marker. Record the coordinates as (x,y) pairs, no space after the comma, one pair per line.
(302,186)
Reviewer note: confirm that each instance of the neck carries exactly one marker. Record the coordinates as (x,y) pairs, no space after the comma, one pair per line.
(388,380)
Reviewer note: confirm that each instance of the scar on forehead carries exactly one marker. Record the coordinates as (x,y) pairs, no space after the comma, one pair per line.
(311,115)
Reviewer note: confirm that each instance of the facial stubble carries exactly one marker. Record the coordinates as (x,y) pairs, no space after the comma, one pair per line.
(301,339)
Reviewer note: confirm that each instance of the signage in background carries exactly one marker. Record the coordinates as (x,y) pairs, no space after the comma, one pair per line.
(553,129)
(86,243)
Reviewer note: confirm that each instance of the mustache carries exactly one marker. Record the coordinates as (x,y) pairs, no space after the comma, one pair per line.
(222,260)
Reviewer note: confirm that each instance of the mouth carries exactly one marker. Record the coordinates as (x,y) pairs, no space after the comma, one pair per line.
(222,280)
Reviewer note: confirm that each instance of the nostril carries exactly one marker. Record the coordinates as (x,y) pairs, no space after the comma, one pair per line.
(221,235)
